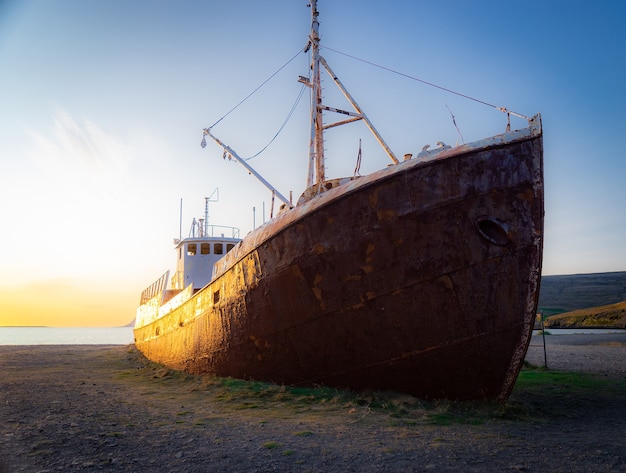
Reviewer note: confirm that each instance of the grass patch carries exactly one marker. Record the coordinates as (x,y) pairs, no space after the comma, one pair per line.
(243,394)
(541,394)
(451,413)
(208,396)
(542,380)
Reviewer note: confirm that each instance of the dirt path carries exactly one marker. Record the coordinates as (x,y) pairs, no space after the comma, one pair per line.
(104,408)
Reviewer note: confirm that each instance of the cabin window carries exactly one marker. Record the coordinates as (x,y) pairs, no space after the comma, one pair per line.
(229,247)
(180,252)
(205,248)
(218,248)
(191,249)
(216,297)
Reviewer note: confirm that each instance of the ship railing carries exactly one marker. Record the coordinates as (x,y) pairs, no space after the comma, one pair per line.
(220,230)
(178,280)
(154,289)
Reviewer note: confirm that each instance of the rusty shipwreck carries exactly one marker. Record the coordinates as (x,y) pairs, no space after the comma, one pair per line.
(422,277)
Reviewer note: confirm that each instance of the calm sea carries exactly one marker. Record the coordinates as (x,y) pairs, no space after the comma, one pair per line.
(124,335)
(580,331)
(66,336)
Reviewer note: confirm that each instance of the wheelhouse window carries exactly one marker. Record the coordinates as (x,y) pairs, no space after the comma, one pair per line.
(191,249)
(229,247)
(205,248)
(218,248)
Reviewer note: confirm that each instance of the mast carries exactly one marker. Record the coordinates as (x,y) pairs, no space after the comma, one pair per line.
(317,169)
(316,147)
(316,174)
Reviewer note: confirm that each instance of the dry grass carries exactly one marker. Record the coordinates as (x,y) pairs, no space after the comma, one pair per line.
(610,316)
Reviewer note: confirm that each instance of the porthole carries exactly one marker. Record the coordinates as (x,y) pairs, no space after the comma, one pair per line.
(493,231)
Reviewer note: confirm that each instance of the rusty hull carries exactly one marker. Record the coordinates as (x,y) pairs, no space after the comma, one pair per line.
(421,278)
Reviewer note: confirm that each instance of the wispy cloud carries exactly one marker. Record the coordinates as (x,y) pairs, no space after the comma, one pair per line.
(82,159)
(70,199)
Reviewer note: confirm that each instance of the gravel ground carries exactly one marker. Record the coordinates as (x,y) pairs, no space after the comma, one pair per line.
(601,354)
(105,408)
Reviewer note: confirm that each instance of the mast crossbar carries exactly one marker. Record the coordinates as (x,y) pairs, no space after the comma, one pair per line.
(367,121)
(342,122)
(338,110)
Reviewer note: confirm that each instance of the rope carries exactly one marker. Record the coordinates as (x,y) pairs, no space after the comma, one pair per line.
(502,109)
(255,90)
(359,156)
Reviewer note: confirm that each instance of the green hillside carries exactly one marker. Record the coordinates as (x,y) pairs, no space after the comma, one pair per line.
(560,294)
(613,316)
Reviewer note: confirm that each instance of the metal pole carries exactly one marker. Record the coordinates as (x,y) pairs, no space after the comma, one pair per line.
(543,334)
(317,124)
(180,221)
(206,216)
(243,162)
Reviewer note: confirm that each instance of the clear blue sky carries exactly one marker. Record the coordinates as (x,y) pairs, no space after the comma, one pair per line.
(103,103)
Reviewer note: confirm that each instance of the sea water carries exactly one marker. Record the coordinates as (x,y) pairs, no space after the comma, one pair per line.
(124,335)
(66,335)
(579,331)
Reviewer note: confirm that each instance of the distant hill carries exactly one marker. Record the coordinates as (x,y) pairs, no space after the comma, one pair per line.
(613,315)
(560,294)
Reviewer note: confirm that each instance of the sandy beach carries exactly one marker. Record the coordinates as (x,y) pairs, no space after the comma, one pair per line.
(105,408)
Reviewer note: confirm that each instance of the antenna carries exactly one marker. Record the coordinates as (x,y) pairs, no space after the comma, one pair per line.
(214,197)
(180,221)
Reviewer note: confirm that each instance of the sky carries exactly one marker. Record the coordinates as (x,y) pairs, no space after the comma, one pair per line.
(102,106)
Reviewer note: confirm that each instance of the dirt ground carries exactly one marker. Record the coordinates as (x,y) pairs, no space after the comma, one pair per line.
(105,408)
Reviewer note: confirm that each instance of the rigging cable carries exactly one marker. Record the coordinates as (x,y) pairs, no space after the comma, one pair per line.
(455,126)
(255,90)
(502,109)
(293,108)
